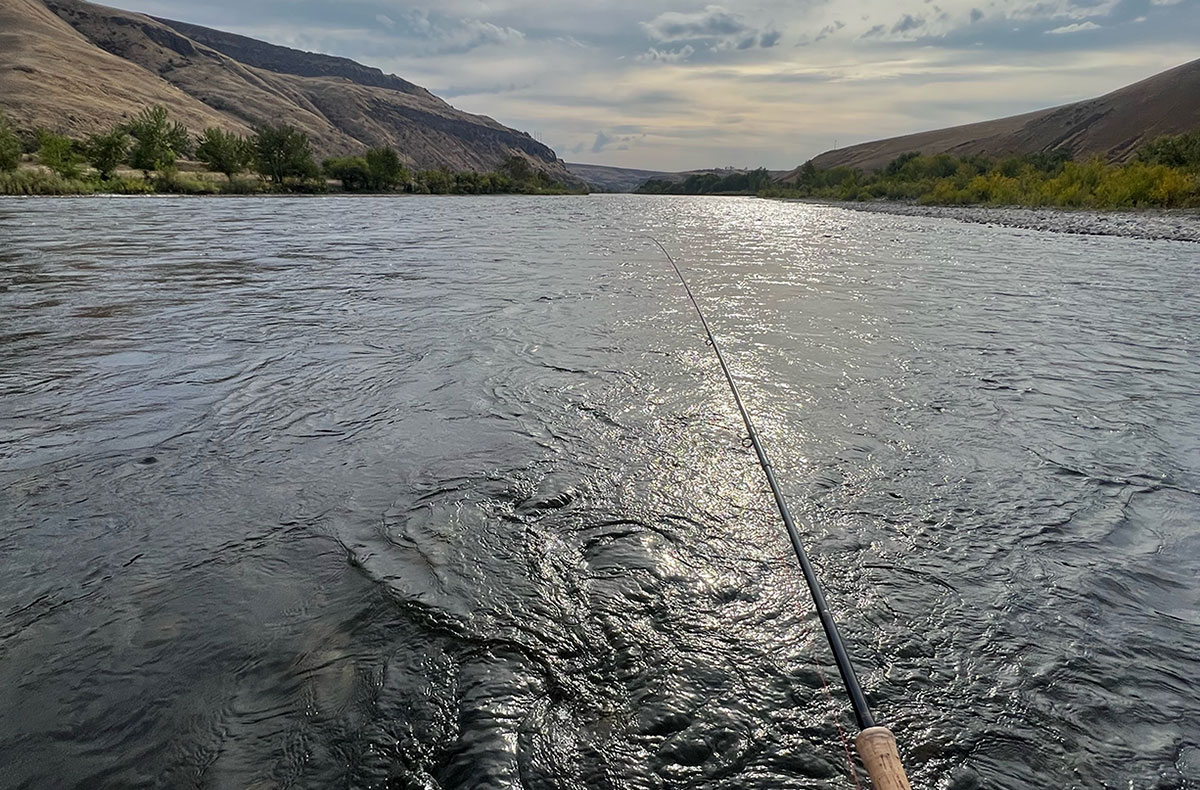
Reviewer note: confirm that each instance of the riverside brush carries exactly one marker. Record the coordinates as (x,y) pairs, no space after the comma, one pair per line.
(876,744)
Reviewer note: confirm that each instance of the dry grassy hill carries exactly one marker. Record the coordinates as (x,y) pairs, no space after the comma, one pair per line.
(53,77)
(1112,126)
(75,67)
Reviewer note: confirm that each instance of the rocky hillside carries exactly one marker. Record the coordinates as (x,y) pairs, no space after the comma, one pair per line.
(76,67)
(1112,126)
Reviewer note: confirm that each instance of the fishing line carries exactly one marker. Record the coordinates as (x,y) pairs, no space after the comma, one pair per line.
(876,745)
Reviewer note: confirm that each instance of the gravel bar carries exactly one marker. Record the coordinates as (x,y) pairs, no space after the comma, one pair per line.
(1162,224)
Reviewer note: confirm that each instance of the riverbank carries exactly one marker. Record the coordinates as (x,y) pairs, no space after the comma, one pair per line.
(32,180)
(1149,224)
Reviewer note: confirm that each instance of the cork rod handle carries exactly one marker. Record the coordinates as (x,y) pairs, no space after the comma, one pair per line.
(877,748)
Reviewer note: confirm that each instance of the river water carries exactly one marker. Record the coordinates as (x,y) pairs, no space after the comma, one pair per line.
(449,493)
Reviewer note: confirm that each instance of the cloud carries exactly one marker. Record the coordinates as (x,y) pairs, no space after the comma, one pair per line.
(667,56)
(976,15)
(605,141)
(437,34)
(473,33)
(1077,27)
(714,22)
(480,89)
(908,23)
(715,27)
(822,34)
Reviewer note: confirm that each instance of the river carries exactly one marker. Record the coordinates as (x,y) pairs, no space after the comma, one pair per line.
(449,493)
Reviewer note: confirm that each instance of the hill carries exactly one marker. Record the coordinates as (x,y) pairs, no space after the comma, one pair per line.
(1112,126)
(625,179)
(74,67)
(614,179)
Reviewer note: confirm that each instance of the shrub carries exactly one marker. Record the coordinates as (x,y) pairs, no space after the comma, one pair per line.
(106,151)
(158,143)
(130,185)
(283,152)
(1175,188)
(58,153)
(437,182)
(385,171)
(224,152)
(352,171)
(39,182)
(172,182)
(242,186)
(1182,151)
(10,146)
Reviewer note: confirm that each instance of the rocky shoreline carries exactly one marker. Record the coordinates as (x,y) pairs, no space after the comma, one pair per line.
(1149,224)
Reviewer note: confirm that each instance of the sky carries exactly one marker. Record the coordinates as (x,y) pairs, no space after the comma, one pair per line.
(674,85)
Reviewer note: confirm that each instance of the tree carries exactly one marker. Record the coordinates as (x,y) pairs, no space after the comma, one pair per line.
(896,165)
(352,171)
(106,150)
(808,174)
(468,182)
(58,153)
(283,152)
(224,152)
(10,146)
(1178,151)
(158,142)
(758,179)
(385,170)
(518,169)
(438,182)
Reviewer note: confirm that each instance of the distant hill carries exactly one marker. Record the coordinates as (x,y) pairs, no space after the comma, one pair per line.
(1112,126)
(614,179)
(74,67)
(624,179)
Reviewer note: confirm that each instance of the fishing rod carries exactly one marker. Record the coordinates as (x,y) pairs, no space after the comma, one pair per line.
(876,744)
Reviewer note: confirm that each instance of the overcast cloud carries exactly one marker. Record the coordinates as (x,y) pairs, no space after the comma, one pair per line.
(665,84)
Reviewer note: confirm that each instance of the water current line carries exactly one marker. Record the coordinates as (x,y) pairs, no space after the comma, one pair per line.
(862,711)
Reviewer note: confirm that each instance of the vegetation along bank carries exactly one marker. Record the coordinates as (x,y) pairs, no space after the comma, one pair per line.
(153,154)
(1164,174)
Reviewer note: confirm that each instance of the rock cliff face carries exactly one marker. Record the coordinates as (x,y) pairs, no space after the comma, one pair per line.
(1112,126)
(284,60)
(76,67)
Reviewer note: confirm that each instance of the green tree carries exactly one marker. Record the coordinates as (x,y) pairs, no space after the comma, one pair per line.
(1182,151)
(106,150)
(58,153)
(224,152)
(518,169)
(808,174)
(10,146)
(352,171)
(439,182)
(468,183)
(283,152)
(158,143)
(896,165)
(385,170)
